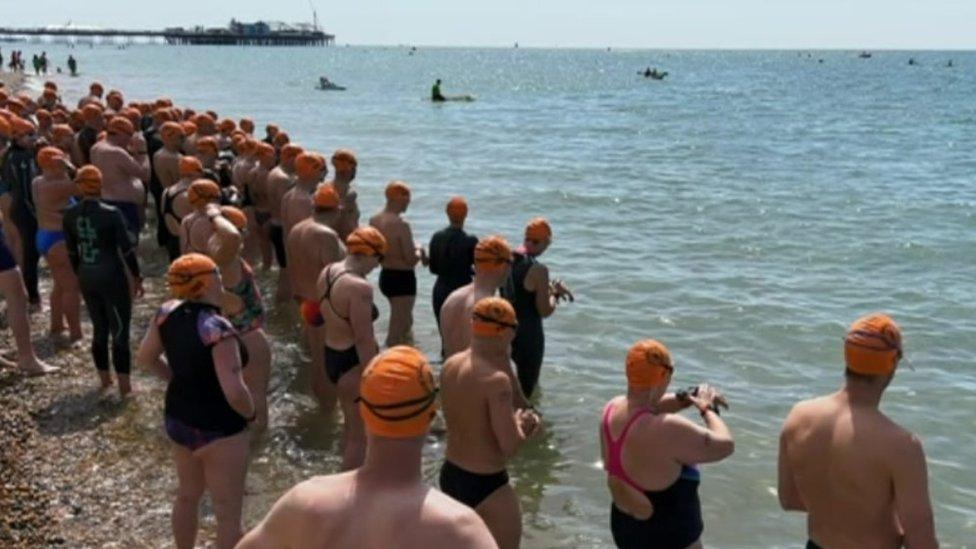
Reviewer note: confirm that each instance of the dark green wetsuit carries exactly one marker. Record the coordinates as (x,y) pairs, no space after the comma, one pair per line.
(435,93)
(98,244)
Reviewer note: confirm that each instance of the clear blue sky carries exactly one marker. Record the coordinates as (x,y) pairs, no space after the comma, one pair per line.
(908,24)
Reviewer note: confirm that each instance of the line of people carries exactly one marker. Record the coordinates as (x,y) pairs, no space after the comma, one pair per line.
(76,185)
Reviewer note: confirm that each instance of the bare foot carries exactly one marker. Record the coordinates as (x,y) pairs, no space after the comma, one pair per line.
(36,367)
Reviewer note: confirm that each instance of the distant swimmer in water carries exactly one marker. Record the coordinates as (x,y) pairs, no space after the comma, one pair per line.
(435,92)
(911,61)
(949,64)
(860,477)
(73,65)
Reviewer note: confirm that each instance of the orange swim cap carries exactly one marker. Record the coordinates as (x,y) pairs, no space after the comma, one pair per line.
(170,131)
(265,151)
(309,165)
(398,397)
(120,125)
(204,122)
(648,365)
(202,192)
(872,345)
(19,127)
(50,158)
(397,190)
(280,140)
(161,116)
(366,241)
(91,112)
(237,144)
(226,126)
(344,159)
(457,209)
(492,253)
(60,132)
(189,128)
(132,114)
(289,152)
(492,316)
(189,275)
(326,198)
(207,144)
(235,216)
(190,165)
(42,115)
(538,229)
(88,179)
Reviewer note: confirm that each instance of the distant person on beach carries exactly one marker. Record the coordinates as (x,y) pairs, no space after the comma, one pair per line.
(281,179)
(125,172)
(398,281)
(344,163)
(103,256)
(314,245)
(17,170)
(650,453)
(861,478)
(534,297)
(346,303)
(72,65)
(435,92)
(385,502)
(53,192)
(451,255)
(484,428)
(208,406)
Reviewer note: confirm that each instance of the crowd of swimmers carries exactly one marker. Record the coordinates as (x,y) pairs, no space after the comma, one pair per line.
(75,186)
(39,62)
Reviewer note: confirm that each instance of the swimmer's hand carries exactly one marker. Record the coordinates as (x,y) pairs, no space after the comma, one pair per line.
(529,422)
(422,255)
(561,291)
(706,397)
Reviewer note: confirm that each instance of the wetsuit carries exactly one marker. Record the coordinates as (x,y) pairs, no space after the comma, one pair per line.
(87,137)
(676,522)
(98,243)
(451,259)
(18,172)
(196,410)
(469,488)
(435,93)
(529,344)
(173,240)
(338,362)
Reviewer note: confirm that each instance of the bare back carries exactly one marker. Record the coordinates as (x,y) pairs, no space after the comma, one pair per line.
(344,292)
(51,196)
(166,163)
(465,394)
(311,246)
(400,253)
(296,206)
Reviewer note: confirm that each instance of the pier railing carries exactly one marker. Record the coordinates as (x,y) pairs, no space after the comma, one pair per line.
(185,37)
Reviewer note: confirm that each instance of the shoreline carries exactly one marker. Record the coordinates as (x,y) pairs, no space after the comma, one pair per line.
(14,82)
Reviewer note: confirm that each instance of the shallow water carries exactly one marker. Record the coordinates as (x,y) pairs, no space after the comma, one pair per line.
(743,211)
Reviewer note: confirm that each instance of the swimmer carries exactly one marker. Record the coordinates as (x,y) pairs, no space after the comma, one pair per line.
(63,137)
(435,92)
(176,205)
(95,91)
(280,181)
(451,255)
(270,132)
(114,102)
(257,180)
(206,127)
(861,479)
(198,226)
(398,281)
(313,245)
(225,127)
(534,297)
(484,428)
(208,406)
(650,453)
(94,124)
(345,164)
(103,256)
(125,172)
(492,261)
(44,124)
(166,161)
(346,303)
(18,171)
(297,203)
(242,306)
(243,165)
(247,125)
(53,190)
(369,507)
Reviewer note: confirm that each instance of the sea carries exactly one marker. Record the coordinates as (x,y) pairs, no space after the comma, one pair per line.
(744,211)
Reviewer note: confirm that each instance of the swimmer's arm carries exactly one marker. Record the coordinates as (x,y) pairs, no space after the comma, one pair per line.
(70,242)
(407,246)
(225,243)
(126,246)
(537,281)
(695,444)
(670,404)
(276,528)
(789,494)
(433,263)
(912,504)
(184,234)
(227,363)
(504,424)
(150,354)
(361,322)
(132,167)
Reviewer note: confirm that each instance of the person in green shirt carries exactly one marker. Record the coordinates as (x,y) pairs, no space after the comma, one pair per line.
(435,92)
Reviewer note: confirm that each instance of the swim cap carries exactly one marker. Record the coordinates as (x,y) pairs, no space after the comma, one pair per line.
(60,116)
(189,128)
(143,108)
(492,316)
(15,105)
(50,93)
(235,216)
(491,253)
(201,192)
(88,179)
(50,158)
(19,127)
(121,125)
(42,115)
(457,209)
(226,126)
(309,165)
(190,165)
(872,345)
(91,112)
(161,116)
(133,115)
(188,275)
(397,190)
(311,313)
(237,144)
(648,365)
(207,144)
(538,229)
(366,241)
(163,102)
(344,159)
(289,152)
(247,125)
(265,151)
(280,140)
(326,198)
(204,122)
(60,132)
(170,131)
(398,397)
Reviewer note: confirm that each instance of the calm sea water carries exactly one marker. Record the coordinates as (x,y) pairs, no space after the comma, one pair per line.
(743,211)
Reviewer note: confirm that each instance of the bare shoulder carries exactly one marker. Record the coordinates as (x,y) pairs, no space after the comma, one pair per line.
(804,411)
(454,361)
(455,524)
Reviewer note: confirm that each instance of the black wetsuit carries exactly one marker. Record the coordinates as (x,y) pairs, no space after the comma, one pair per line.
(98,244)
(451,259)
(18,172)
(172,240)
(529,344)
(87,137)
